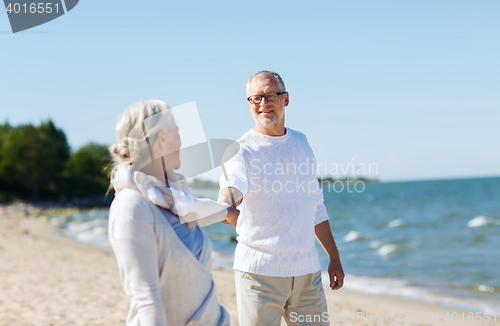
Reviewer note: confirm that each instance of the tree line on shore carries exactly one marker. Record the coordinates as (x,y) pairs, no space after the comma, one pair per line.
(37,164)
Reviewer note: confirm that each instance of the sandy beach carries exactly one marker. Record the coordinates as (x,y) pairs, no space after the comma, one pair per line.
(48,279)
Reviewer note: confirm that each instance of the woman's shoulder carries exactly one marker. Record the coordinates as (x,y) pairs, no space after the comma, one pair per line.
(129,196)
(130,203)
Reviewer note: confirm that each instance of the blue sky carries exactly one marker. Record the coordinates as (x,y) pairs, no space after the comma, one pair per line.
(410,85)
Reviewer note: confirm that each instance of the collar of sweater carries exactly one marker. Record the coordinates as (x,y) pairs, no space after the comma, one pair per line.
(272,139)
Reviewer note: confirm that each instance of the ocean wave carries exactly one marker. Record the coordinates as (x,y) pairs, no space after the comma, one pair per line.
(353,235)
(375,244)
(392,287)
(387,249)
(378,285)
(476,288)
(395,223)
(486,288)
(94,232)
(480,221)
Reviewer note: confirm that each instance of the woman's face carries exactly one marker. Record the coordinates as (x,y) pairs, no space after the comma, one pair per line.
(168,146)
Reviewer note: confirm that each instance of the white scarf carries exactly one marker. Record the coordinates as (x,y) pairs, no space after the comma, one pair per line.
(178,198)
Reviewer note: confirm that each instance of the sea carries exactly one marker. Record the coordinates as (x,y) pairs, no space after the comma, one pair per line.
(434,241)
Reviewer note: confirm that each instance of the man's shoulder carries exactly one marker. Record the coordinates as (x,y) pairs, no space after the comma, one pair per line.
(296,134)
(245,143)
(245,138)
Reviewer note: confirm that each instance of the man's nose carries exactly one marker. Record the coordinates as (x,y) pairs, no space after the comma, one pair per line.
(263,100)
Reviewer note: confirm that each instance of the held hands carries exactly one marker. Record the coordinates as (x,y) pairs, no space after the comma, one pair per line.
(226,196)
(232,216)
(336,273)
(232,213)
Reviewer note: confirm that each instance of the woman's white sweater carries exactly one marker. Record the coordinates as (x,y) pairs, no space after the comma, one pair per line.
(167,284)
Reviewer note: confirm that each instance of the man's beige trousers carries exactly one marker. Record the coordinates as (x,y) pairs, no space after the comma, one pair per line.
(263,300)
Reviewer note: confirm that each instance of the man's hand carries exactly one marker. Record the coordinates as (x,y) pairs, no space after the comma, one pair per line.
(335,270)
(225,198)
(232,216)
(232,213)
(336,273)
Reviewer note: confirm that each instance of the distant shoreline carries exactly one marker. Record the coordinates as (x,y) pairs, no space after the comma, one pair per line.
(198,184)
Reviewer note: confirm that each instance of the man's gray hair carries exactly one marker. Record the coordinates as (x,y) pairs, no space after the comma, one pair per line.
(267,73)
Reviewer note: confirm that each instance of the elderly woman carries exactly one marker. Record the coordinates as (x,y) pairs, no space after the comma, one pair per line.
(163,256)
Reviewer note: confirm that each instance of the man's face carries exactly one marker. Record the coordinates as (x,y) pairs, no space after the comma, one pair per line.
(267,115)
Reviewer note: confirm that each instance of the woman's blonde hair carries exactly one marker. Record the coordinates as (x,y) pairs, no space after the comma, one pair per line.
(136,130)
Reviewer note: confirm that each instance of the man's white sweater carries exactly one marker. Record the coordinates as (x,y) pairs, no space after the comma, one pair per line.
(282,204)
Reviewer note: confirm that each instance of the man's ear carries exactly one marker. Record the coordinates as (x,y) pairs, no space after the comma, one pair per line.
(287,99)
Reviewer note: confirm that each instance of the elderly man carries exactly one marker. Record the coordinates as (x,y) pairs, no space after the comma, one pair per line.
(273,179)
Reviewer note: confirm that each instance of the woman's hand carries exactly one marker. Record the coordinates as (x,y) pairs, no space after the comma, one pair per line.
(232,215)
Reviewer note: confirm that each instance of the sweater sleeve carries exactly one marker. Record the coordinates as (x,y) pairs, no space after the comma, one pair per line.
(237,174)
(321,213)
(133,238)
(210,211)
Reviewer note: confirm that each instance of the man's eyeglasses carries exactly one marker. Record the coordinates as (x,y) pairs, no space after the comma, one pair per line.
(254,99)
